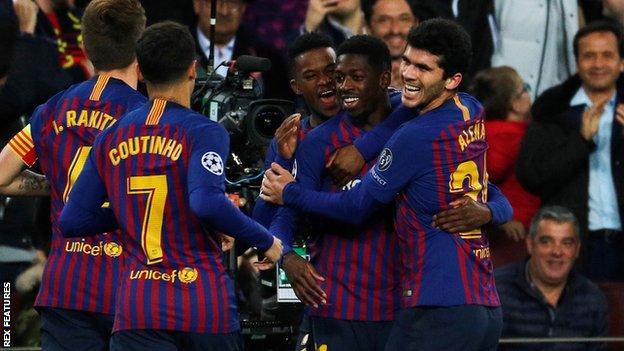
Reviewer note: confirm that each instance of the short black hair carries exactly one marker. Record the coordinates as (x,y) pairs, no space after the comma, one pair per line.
(374,49)
(367,8)
(603,25)
(446,39)
(164,52)
(305,43)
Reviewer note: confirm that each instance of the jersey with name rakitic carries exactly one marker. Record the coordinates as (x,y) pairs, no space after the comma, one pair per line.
(80,274)
(358,263)
(173,277)
(430,161)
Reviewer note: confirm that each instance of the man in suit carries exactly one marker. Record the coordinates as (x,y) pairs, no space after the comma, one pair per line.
(232,40)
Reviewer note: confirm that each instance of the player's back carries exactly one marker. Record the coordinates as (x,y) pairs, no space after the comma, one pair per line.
(79,274)
(173,277)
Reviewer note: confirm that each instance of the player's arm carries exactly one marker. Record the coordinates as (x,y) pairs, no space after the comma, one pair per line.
(207,197)
(395,168)
(83,214)
(348,161)
(467,214)
(14,181)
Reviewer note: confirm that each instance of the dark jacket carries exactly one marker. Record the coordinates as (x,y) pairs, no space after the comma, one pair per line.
(581,311)
(275,82)
(554,158)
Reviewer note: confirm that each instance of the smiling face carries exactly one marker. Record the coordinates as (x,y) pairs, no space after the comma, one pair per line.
(391,21)
(424,85)
(314,81)
(553,251)
(358,85)
(599,62)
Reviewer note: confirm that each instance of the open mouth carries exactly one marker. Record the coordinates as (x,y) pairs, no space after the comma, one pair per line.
(328,97)
(411,88)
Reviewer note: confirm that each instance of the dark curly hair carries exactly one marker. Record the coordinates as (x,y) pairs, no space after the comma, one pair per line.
(446,39)
(374,49)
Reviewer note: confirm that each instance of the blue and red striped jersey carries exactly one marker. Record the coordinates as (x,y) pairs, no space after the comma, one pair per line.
(360,264)
(430,161)
(173,276)
(80,274)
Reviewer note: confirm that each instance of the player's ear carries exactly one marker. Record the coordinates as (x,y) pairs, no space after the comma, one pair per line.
(295,87)
(452,82)
(140,74)
(192,71)
(385,79)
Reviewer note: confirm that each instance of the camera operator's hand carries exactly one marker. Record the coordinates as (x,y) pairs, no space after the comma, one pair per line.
(271,255)
(317,9)
(286,136)
(304,279)
(26,13)
(344,164)
(275,179)
(464,215)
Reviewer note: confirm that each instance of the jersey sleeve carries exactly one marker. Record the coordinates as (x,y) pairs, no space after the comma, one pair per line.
(307,169)
(501,209)
(83,214)
(396,165)
(23,146)
(372,143)
(206,188)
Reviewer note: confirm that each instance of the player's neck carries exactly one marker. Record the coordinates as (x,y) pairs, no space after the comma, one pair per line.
(379,114)
(178,93)
(128,75)
(438,101)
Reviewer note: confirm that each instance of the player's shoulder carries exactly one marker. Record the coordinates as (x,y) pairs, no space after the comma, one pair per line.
(199,125)
(322,132)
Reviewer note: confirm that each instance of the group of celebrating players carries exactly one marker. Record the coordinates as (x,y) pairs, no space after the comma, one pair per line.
(399,258)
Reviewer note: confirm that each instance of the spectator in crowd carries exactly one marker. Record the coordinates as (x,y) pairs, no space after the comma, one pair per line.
(476,16)
(337,19)
(614,9)
(507,104)
(543,296)
(59,20)
(391,20)
(274,20)
(573,153)
(535,38)
(30,73)
(232,40)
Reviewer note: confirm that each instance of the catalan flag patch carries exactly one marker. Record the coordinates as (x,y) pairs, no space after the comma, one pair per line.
(24,147)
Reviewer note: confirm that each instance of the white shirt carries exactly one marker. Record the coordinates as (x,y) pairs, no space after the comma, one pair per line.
(223,53)
(603,205)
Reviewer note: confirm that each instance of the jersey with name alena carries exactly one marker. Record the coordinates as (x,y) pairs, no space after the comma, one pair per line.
(433,159)
(80,274)
(173,276)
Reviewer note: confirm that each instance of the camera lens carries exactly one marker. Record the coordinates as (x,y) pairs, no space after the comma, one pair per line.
(268,119)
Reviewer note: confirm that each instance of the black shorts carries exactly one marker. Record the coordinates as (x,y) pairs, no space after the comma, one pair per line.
(341,335)
(166,340)
(465,328)
(75,330)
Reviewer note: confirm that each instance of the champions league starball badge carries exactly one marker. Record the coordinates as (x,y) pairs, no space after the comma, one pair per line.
(212,162)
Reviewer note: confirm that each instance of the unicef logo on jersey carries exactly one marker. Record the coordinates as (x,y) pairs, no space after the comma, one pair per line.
(385,160)
(212,162)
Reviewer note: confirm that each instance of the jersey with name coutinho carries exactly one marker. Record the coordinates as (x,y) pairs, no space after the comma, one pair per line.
(359,263)
(173,276)
(80,274)
(430,161)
